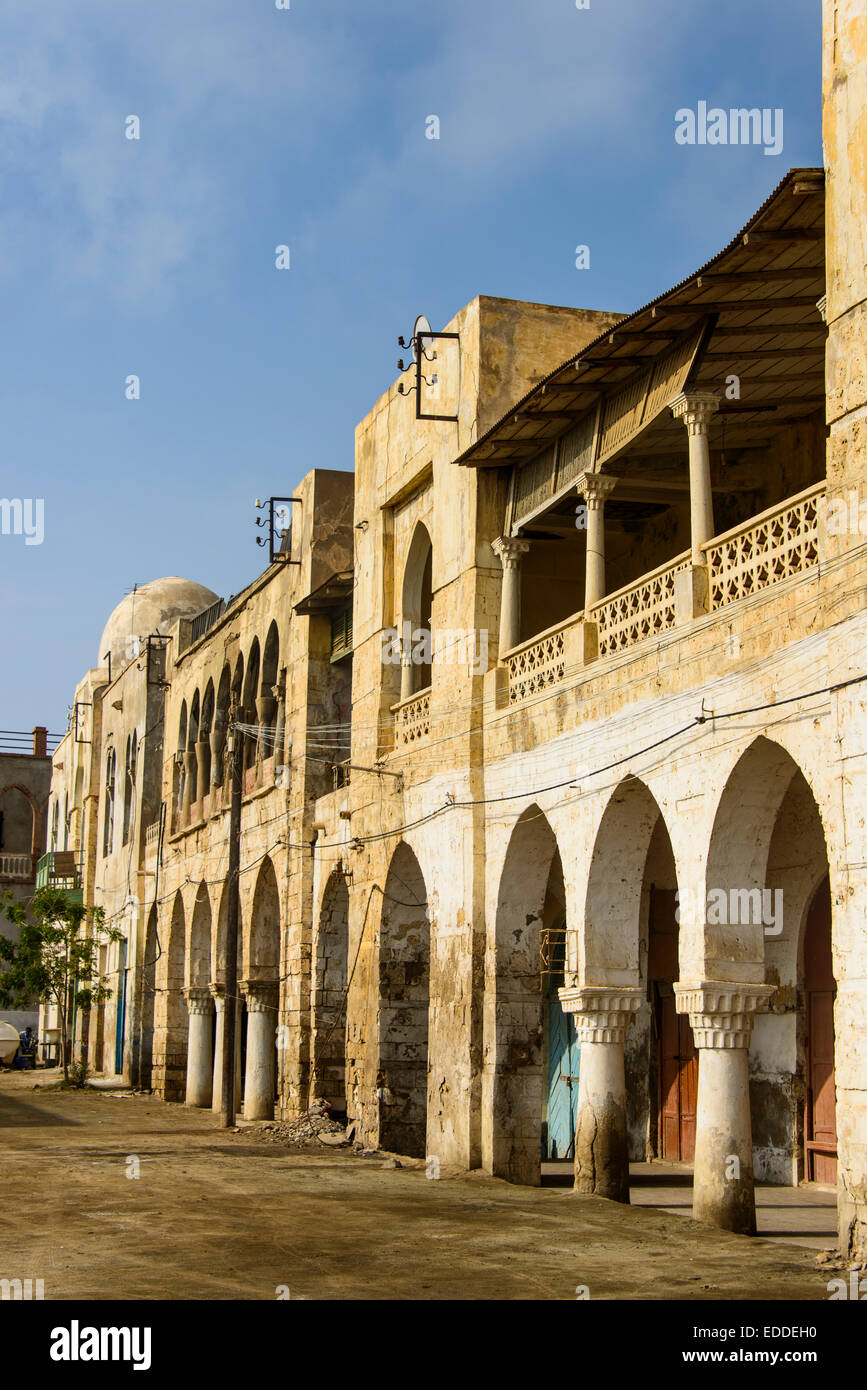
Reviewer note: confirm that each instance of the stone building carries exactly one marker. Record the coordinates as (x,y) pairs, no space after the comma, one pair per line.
(554,739)
(25,779)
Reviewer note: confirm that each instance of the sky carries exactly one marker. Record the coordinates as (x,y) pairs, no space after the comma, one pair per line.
(307,127)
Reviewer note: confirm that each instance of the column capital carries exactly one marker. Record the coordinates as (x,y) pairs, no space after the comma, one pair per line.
(696,409)
(509,550)
(261,996)
(218,993)
(721,1015)
(595,488)
(199,1000)
(602,1012)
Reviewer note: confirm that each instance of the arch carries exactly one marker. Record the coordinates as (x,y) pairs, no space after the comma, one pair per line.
(251,692)
(179,771)
(417,601)
(270,659)
(208,702)
(108,813)
(746,816)
(263,946)
(530,899)
(193,727)
(78,807)
(328,1007)
(55,817)
(19,829)
(199,958)
(608,951)
(129,785)
(174,1018)
(404,1007)
(150,965)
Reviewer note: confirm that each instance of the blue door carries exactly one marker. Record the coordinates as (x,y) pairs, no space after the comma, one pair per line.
(120,1024)
(563,1054)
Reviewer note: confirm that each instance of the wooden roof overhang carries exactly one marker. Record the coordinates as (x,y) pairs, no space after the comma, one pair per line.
(751,312)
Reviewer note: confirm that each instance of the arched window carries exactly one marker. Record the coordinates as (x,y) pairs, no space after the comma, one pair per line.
(416,604)
(55,816)
(108,823)
(129,783)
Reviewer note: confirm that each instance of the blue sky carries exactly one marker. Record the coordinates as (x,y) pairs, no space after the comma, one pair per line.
(306,127)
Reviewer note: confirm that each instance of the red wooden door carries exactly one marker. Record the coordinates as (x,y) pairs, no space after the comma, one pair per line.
(678,1063)
(820,1127)
(678,1084)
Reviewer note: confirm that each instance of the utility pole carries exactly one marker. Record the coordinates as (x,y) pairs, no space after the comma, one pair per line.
(235,742)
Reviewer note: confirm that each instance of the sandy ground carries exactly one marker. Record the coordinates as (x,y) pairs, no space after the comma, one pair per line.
(216,1215)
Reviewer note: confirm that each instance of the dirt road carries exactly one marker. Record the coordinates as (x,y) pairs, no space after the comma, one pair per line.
(323,1225)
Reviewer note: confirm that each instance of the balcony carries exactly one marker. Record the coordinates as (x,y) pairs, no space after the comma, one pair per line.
(412,719)
(779,544)
(60,869)
(16,867)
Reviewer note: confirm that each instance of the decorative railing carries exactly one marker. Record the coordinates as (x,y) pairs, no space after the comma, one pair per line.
(775,545)
(16,866)
(152,838)
(638,610)
(538,664)
(204,621)
(59,868)
(412,719)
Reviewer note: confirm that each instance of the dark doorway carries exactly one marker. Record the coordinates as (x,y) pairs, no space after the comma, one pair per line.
(820,1120)
(677,1061)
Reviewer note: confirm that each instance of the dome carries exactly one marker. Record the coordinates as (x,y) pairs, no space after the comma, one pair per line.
(151,608)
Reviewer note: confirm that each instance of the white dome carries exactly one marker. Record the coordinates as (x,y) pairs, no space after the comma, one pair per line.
(151,608)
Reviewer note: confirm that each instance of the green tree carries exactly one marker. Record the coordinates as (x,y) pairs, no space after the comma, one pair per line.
(54,958)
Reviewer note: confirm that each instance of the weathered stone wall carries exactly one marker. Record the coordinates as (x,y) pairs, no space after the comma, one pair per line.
(845,143)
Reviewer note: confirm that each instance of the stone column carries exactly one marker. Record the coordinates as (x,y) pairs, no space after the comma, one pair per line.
(218,743)
(696,409)
(189,780)
(266,708)
(601,1144)
(279,693)
(509,550)
(200,1057)
(203,749)
(261,1037)
(595,488)
(721,1016)
(218,993)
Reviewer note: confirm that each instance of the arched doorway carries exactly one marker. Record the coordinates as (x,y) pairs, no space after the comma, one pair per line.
(533,1086)
(175,1020)
(328,1009)
(404,1007)
(200,1004)
(148,999)
(766,859)
(820,988)
(260,989)
(416,609)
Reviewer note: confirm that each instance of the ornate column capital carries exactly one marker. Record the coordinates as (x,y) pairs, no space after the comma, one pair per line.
(721,1015)
(218,994)
(509,550)
(696,409)
(199,1000)
(602,1012)
(261,996)
(595,488)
